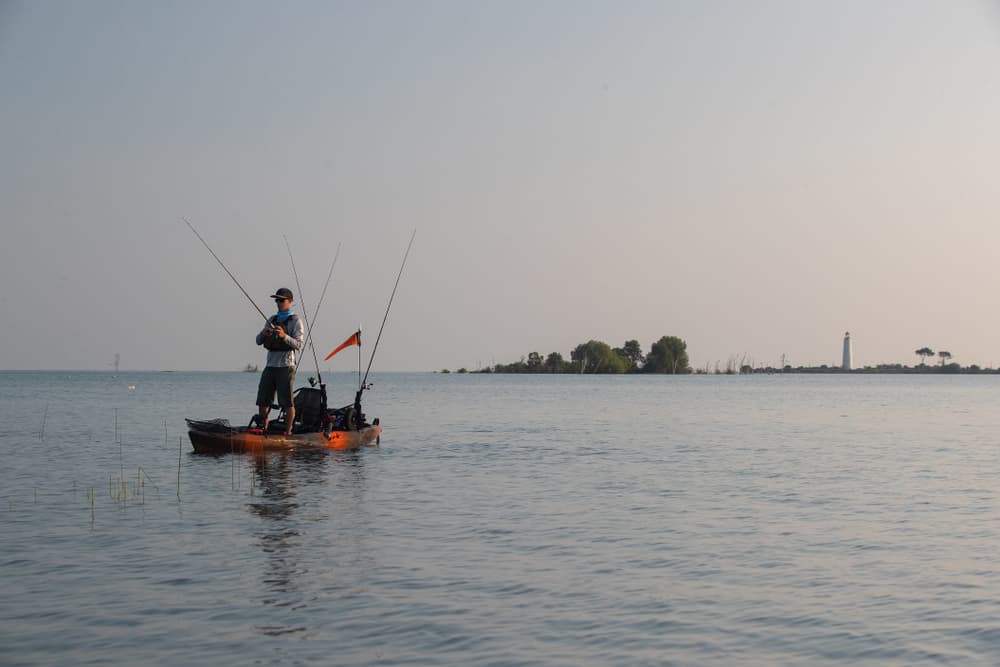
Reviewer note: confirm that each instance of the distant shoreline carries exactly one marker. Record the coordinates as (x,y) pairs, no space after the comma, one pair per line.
(882,369)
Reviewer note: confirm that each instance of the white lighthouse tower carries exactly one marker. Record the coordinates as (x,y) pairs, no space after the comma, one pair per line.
(847,351)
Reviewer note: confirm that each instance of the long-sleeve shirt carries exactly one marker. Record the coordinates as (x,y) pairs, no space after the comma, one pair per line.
(295,336)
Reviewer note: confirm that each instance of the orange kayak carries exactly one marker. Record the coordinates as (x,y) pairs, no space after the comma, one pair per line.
(212,437)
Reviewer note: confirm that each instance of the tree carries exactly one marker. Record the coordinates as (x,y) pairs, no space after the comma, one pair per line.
(554,362)
(632,353)
(923,353)
(596,356)
(667,355)
(534,362)
(945,356)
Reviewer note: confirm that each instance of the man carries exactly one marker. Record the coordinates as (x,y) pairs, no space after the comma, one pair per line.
(282,336)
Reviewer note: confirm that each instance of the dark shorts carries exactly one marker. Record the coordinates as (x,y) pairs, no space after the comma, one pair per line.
(276,379)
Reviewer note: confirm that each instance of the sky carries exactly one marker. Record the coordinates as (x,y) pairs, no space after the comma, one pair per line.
(755,177)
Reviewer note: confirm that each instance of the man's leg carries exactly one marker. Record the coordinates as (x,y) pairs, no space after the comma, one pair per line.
(265,396)
(285,398)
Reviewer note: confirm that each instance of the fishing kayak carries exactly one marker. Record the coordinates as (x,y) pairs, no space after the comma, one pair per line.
(218,437)
(316,427)
(312,424)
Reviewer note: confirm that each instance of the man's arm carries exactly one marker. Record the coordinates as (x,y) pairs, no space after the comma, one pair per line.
(264,333)
(296,338)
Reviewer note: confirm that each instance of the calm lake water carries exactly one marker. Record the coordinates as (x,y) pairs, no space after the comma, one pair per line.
(507,520)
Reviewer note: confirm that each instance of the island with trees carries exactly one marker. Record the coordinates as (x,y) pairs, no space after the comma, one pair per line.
(668,356)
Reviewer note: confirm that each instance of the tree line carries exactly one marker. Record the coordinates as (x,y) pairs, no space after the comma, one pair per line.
(925,352)
(668,355)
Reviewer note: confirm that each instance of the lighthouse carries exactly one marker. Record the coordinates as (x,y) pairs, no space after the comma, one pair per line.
(847,351)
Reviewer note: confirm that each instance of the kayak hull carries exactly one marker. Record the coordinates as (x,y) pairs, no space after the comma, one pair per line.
(247,440)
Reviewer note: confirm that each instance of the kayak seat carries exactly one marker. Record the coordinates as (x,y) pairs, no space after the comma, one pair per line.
(309,409)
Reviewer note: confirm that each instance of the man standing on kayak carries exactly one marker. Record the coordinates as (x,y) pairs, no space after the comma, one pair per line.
(283,335)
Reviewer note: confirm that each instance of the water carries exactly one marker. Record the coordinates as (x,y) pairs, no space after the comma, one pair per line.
(508,520)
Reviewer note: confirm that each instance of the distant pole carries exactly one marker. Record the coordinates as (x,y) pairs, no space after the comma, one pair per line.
(848,361)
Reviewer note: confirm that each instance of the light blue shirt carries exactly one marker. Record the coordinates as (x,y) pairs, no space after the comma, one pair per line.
(295,337)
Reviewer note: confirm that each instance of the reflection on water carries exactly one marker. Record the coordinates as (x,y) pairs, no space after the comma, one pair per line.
(282,483)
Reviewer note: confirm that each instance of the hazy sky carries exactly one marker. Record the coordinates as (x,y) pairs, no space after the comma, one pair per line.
(754,177)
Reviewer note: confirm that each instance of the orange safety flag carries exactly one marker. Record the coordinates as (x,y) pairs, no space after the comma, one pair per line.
(353,339)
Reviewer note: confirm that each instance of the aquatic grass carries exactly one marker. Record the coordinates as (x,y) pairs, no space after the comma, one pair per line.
(120,490)
(180,450)
(116,488)
(236,476)
(143,478)
(121,452)
(124,488)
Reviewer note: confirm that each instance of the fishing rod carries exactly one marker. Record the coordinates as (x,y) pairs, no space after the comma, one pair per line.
(225,269)
(320,304)
(302,300)
(361,388)
(309,325)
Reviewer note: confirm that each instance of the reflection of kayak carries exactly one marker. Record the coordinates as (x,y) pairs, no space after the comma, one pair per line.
(218,437)
(316,427)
